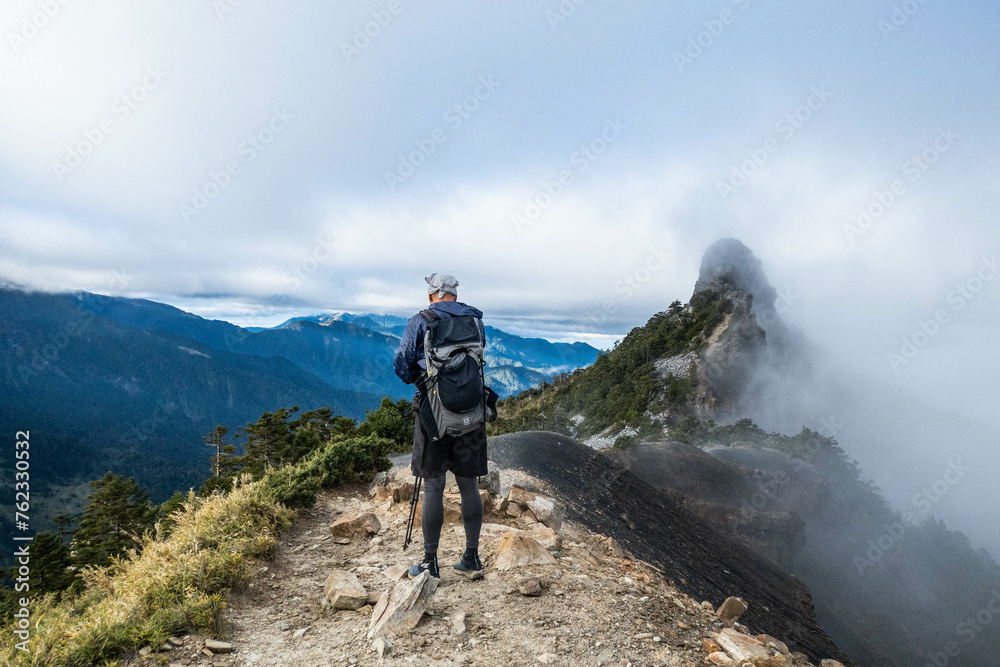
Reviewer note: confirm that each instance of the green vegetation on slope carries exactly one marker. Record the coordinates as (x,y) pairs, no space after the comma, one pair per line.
(621,385)
(869,565)
(135,573)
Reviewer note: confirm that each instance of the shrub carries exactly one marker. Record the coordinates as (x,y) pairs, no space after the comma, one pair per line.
(625,441)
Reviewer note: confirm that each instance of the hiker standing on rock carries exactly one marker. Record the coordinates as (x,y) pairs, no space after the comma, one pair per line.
(451,413)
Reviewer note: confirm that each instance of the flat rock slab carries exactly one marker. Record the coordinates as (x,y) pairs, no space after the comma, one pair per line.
(216,646)
(395,573)
(740,646)
(400,610)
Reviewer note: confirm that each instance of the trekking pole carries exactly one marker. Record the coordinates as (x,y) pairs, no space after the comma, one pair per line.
(413,512)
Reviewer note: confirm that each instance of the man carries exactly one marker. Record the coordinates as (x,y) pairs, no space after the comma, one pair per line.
(464,456)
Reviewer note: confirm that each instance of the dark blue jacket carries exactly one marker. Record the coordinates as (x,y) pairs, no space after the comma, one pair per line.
(409,360)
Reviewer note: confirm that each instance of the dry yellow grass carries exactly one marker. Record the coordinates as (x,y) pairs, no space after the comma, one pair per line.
(177,583)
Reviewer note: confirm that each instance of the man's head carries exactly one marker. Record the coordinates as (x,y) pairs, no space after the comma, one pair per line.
(441,287)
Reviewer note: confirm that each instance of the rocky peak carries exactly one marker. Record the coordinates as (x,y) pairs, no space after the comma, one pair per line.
(729,266)
(727,359)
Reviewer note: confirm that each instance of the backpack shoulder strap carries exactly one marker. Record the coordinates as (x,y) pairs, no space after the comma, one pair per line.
(429,315)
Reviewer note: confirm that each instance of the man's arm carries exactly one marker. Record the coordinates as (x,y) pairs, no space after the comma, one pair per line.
(405,361)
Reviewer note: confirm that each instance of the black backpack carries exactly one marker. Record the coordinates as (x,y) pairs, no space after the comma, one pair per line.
(456,400)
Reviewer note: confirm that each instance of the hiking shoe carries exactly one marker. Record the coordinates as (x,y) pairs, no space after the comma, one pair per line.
(470,568)
(427,566)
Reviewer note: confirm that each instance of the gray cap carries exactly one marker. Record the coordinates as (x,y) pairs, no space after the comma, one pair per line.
(442,283)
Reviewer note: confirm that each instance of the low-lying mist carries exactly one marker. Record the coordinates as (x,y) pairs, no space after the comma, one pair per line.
(928,461)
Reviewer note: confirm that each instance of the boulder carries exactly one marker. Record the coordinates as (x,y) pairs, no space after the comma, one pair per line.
(731,610)
(530,587)
(830,663)
(356,524)
(401,609)
(344,591)
(739,646)
(719,658)
(531,507)
(402,489)
(491,481)
(518,551)
(520,495)
(545,536)
(549,511)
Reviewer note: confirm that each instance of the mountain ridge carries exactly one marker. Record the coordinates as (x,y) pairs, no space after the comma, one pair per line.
(718,358)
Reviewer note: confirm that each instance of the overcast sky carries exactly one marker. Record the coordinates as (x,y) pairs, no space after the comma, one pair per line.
(250,160)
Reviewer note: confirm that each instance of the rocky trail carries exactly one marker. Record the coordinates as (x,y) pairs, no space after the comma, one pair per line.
(556,594)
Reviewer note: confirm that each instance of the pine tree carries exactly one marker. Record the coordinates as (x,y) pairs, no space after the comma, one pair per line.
(394,420)
(217,439)
(119,512)
(61,522)
(51,564)
(268,440)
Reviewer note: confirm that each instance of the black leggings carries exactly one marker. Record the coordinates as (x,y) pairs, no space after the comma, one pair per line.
(432,514)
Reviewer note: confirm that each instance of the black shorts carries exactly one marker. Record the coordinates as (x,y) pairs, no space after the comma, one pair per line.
(464,455)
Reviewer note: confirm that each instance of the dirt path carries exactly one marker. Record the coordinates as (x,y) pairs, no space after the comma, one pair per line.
(595,609)
(598,605)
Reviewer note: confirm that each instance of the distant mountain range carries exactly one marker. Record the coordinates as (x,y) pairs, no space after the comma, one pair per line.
(513,363)
(132,385)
